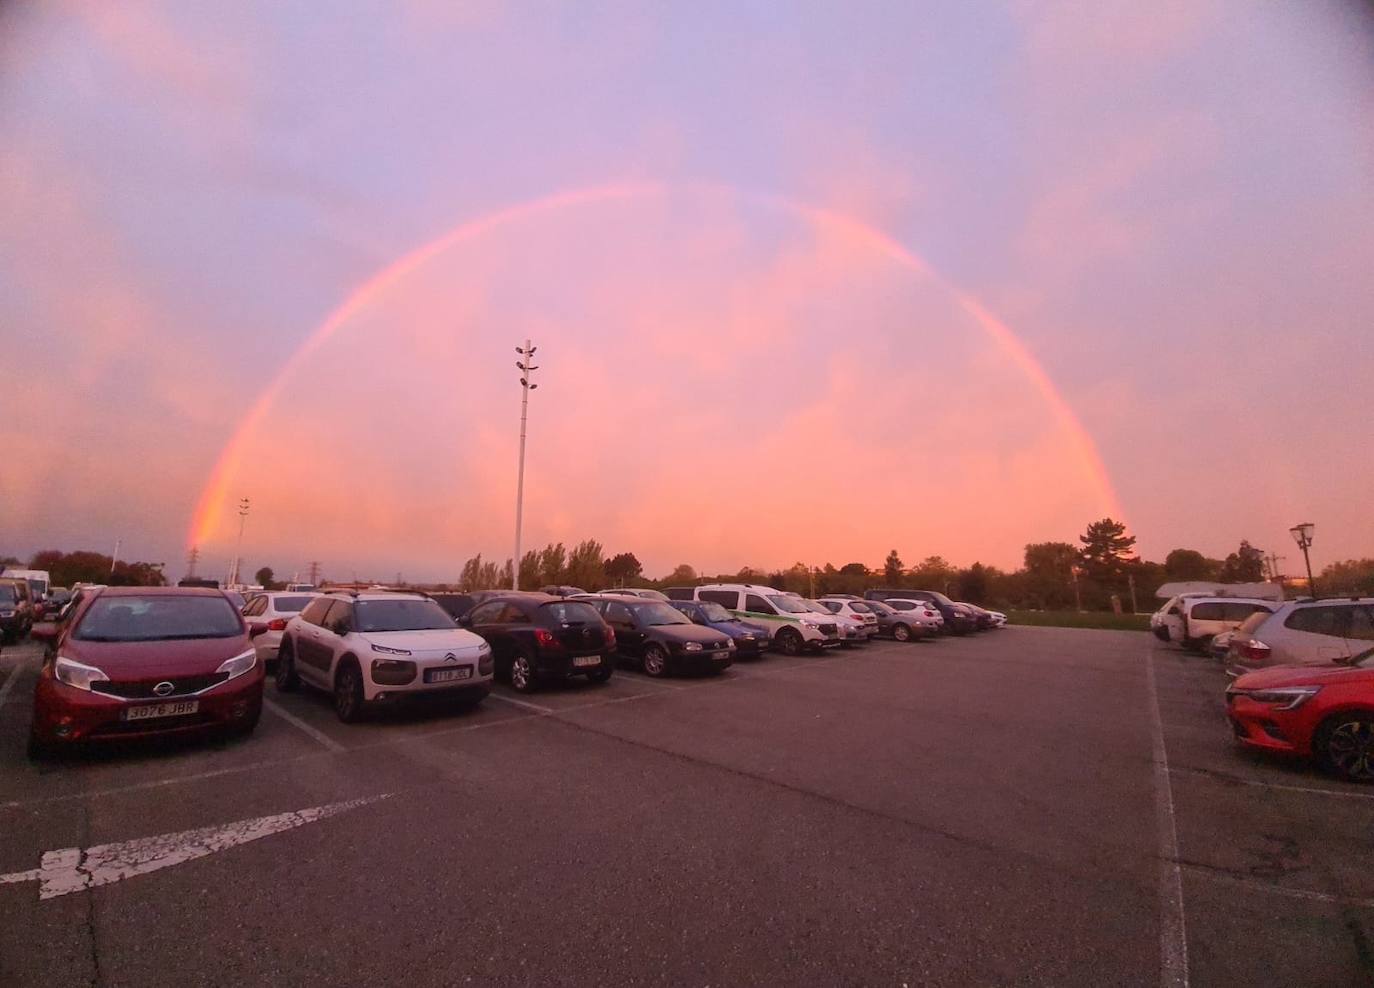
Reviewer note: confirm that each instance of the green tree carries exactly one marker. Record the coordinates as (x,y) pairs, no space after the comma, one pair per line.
(1048,581)
(683,574)
(587,565)
(972,584)
(266,578)
(1245,565)
(1188,564)
(623,567)
(1348,576)
(934,573)
(1106,551)
(553,564)
(529,570)
(892,568)
(471,577)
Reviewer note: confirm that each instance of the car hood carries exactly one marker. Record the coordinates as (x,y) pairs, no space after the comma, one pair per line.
(1278,676)
(689,633)
(434,640)
(142,660)
(736,628)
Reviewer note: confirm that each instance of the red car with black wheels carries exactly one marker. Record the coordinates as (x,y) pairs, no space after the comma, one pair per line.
(1322,713)
(136,662)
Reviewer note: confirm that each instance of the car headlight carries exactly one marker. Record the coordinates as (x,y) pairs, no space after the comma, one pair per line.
(239,664)
(75,674)
(692,647)
(1284,697)
(389,651)
(809,623)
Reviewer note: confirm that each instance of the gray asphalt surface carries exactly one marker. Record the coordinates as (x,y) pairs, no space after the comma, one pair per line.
(971,811)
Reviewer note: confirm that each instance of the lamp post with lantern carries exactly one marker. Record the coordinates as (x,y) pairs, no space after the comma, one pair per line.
(1302,535)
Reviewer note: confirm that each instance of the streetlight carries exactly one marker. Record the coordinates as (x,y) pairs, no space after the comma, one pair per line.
(238,550)
(1302,535)
(527,370)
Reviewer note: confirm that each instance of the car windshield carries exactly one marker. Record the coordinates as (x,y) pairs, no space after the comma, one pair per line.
(714,612)
(570,612)
(818,607)
(401,615)
(878,607)
(290,605)
(9,593)
(1364,661)
(158,618)
(236,597)
(653,615)
(789,605)
(940,598)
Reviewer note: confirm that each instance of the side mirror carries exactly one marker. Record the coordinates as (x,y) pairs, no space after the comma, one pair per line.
(465,621)
(1343,660)
(44,631)
(256,628)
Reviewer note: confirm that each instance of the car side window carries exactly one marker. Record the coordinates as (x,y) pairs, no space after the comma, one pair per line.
(725,598)
(618,613)
(341,617)
(1319,620)
(512,614)
(1211,610)
(1361,624)
(485,613)
(314,611)
(753,602)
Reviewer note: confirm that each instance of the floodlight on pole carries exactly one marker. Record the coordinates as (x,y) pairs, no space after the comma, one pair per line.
(527,369)
(238,550)
(1302,535)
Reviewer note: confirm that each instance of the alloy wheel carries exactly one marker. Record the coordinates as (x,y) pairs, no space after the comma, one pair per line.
(1351,749)
(654,661)
(520,673)
(345,694)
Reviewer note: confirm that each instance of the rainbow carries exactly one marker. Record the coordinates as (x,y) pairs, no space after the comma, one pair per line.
(216,490)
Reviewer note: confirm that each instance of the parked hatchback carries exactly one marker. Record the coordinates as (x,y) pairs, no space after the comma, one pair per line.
(537,637)
(751,640)
(139,661)
(16,609)
(267,615)
(1305,632)
(663,638)
(368,648)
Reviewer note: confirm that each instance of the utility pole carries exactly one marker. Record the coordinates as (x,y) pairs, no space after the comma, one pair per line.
(1130,580)
(192,558)
(238,549)
(115,558)
(1077,594)
(527,369)
(315,574)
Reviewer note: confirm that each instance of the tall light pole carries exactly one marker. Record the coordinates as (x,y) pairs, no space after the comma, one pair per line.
(527,369)
(238,550)
(1302,535)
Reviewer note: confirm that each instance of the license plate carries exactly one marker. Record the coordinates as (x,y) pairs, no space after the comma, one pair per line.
(156,710)
(448,675)
(579,661)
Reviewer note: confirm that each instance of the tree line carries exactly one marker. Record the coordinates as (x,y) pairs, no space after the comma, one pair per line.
(83,566)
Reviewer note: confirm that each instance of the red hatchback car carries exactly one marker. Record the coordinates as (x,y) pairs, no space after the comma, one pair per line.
(1323,713)
(140,661)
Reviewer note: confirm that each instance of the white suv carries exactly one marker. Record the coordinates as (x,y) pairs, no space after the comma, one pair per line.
(794,626)
(1304,633)
(372,647)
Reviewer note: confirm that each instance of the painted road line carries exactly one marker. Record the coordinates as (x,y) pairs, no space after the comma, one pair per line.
(1231,780)
(74,869)
(521,703)
(305,728)
(8,685)
(1337,900)
(1173,929)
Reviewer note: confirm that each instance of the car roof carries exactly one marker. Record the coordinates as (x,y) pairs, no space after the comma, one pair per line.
(161,592)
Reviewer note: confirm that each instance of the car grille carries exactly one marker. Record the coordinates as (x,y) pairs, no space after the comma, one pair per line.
(827,629)
(143,690)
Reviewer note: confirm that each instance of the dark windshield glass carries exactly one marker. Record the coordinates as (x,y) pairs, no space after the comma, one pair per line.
(877,607)
(570,612)
(149,619)
(653,615)
(714,612)
(940,598)
(859,606)
(9,593)
(290,605)
(789,605)
(401,615)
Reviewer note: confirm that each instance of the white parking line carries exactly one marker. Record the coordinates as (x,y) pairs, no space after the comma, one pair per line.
(11,679)
(520,703)
(1314,896)
(1173,930)
(1231,780)
(296,722)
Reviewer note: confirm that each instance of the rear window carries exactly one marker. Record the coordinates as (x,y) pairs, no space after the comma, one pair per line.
(570,612)
(1318,620)
(150,619)
(290,605)
(1251,624)
(1209,610)
(401,615)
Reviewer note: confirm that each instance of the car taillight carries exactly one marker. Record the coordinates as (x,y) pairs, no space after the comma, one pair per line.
(1256,651)
(545,637)
(276,624)
(610,638)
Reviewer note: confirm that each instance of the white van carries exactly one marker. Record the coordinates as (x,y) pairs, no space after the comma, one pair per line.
(38,580)
(795,626)
(1193,620)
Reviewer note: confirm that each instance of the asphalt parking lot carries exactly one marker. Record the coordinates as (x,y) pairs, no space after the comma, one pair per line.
(1031,806)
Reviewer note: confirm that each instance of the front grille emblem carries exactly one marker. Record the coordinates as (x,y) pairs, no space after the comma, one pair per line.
(163,688)
(450,657)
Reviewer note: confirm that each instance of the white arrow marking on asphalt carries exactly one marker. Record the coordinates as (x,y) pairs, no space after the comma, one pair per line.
(73,869)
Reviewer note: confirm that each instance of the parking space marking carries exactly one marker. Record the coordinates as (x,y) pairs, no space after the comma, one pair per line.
(1173,930)
(1336,900)
(1230,780)
(305,728)
(521,703)
(15,672)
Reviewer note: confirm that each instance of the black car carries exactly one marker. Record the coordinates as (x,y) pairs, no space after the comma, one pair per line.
(560,590)
(662,637)
(537,637)
(751,640)
(458,604)
(16,608)
(958,621)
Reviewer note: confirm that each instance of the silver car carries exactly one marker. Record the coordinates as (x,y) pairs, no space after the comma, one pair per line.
(1304,633)
(267,614)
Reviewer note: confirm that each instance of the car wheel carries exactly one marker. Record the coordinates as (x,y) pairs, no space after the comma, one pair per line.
(522,675)
(1346,744)
(655,661)
(601,675)
(790,641)
(348,693)
(285,675)
(901,632)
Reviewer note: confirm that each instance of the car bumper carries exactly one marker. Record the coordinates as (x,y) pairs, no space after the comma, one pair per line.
(749,648)
(562,666)
(380,690)
(65,715)
(702,661)
(1260,726)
